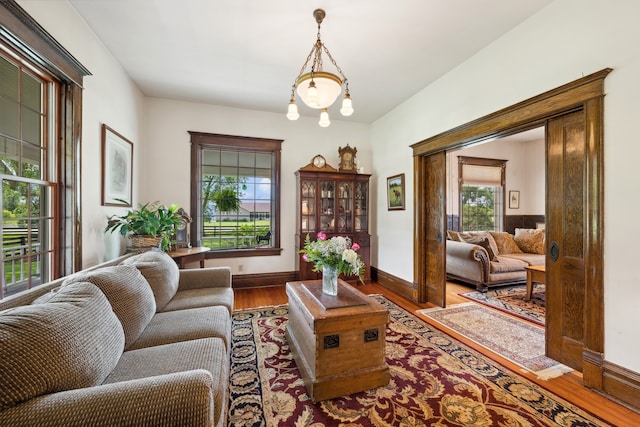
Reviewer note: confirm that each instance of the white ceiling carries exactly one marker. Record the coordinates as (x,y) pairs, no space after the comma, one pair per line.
(247,53)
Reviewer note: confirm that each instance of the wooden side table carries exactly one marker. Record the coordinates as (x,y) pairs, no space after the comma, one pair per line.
(537,274)
(338,341)
(183,256)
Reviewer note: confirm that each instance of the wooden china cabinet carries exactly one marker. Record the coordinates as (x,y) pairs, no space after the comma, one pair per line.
(336,203)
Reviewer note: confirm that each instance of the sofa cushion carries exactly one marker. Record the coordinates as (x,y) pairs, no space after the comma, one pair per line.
(161,272)
(128,292)
(505,243)
(72,341)
(530,240)
(201,297)
(183,325)
(504,264)
(530,259)
(208,354)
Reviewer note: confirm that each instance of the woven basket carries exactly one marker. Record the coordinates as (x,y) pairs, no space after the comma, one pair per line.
(141,243)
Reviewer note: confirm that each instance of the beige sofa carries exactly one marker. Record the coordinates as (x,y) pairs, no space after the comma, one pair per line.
(488,259)
(131,342)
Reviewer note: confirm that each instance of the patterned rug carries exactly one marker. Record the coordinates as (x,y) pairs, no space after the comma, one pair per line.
(435,381)
(511,299)
(520,342)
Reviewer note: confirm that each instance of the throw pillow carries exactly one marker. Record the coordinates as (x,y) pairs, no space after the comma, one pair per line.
(73,341)
(128,292)
(483,234)
(161,272)
(530,240)
(482,240)
(505,243)
(453,235)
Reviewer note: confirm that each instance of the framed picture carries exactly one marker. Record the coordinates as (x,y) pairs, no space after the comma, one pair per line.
(117,168)
(395,192)
(514,199)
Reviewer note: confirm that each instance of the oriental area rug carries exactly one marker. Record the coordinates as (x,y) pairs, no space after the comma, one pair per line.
(511,300)
(519,342)
(435,381)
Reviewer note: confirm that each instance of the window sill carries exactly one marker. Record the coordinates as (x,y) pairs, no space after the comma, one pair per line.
(237,253)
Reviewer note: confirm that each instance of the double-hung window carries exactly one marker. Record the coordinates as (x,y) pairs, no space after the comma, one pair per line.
(482,195)
(40,128)
(235,194)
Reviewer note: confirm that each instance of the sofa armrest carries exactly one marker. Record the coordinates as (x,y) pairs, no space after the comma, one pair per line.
(210,277)
(183,398)
(468,261)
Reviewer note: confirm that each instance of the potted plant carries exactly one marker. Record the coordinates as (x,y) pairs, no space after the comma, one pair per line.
(151,225)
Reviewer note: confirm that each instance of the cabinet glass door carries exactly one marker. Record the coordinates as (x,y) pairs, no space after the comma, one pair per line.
(308,206)
(344,222)
(327,205)
(360,211)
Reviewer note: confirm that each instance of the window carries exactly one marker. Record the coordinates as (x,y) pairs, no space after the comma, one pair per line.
(482,195)
(235,192)
(27,189)
(40,128)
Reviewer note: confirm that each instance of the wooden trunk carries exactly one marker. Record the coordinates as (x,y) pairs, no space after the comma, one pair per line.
(337,342)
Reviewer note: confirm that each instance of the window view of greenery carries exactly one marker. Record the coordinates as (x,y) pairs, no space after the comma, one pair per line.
(236,199)
(481,208)
(26,216)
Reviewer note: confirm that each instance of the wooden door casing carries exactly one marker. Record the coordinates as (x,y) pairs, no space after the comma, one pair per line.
(583,94)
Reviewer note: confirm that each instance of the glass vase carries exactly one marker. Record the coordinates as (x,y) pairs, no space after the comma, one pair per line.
(329,280)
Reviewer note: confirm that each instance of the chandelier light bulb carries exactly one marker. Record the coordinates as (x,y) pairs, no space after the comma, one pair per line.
(347,106)
(312,95)
(324,118)
(292,112)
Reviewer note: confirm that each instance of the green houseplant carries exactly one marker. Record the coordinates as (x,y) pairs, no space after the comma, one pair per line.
(152,223)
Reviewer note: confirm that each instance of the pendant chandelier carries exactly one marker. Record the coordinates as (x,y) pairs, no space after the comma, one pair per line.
(317,88)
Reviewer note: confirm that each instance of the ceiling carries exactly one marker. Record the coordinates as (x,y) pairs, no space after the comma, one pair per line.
(247,53)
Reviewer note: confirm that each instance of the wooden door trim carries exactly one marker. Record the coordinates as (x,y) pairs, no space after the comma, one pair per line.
(587,94)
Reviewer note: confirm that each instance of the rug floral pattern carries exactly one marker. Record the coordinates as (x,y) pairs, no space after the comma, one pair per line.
(435,381)
(511,300)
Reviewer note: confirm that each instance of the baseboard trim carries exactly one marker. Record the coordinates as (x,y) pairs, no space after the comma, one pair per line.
(262,279)
(394,283)
(622,385)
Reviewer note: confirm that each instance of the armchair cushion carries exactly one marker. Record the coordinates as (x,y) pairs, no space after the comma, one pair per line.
(72,341)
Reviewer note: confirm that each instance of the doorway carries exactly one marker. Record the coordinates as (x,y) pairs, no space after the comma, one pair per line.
(584,95)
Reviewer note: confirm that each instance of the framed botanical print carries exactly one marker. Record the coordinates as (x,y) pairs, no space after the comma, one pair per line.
(395,192)
(117,168)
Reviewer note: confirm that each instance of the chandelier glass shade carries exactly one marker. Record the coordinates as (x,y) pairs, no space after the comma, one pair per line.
(328,88)
(319,89)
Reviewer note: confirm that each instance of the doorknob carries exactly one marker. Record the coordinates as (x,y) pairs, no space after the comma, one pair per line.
(554,251)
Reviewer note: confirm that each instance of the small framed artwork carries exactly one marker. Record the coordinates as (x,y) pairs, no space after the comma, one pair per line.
(514,199)
(395,192)
(117,168)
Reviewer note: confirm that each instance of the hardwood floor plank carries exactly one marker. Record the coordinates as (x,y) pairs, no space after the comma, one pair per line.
(568,386)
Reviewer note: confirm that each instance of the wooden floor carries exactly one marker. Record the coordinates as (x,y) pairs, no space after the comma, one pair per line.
(568,386)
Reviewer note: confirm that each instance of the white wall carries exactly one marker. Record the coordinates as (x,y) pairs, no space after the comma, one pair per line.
(563,42)
(525,172)
(109,97)
(168,175)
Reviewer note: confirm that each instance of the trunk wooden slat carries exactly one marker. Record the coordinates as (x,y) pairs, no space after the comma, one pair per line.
(339,351)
